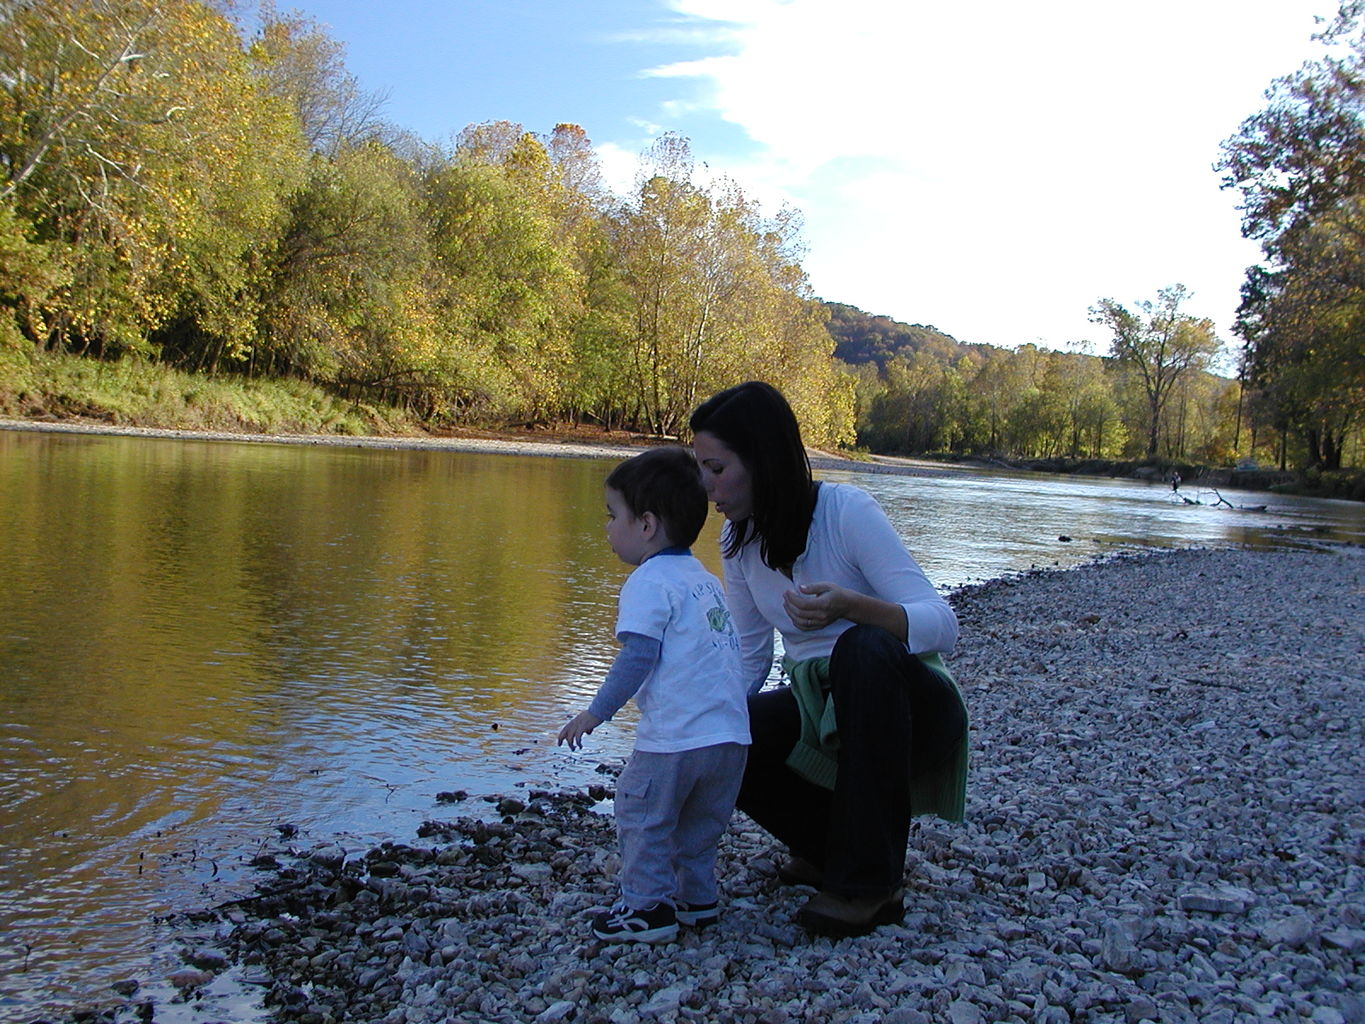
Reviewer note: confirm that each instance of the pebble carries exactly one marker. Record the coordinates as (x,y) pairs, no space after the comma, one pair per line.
(1164,823)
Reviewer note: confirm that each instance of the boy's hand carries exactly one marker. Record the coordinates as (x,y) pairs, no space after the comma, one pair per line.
(583,723)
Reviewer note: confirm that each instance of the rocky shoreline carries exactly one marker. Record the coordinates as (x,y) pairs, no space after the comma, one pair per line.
(1166,822)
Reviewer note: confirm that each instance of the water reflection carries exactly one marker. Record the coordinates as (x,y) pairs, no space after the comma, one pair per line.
(202,641)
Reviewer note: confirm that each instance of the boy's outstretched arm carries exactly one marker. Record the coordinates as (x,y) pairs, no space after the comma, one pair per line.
(634,661)
(579,726)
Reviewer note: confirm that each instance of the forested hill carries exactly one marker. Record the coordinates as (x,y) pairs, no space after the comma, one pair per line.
(861,337)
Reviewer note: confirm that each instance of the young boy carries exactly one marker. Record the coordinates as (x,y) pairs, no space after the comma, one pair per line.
(679,659)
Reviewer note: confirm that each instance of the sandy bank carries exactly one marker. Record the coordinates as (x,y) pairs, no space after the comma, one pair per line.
(1165,823)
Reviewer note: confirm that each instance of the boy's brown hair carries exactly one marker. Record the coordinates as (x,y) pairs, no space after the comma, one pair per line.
(664,481)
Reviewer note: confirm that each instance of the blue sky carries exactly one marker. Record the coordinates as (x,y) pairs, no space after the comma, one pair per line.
(991,168)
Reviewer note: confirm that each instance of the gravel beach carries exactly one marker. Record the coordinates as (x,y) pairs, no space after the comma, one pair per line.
(1166,822)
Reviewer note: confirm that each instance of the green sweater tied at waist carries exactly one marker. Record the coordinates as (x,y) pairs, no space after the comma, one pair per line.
(941,791)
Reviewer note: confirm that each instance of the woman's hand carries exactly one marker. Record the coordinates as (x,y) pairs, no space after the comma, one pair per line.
(814,606)
(582,723)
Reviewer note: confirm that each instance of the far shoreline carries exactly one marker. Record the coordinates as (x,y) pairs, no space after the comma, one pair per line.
(580,444)
(475,442)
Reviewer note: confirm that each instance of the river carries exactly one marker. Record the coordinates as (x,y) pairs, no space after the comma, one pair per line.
(206,645)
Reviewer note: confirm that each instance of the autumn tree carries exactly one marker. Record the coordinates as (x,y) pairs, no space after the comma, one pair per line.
(29,272)
(914,413)
(1160,346)
(345,303)
(717,295)
(666,245)
(136,140)
(305,68)
(595,378)
(990,392)
(505,290)
(1300,166)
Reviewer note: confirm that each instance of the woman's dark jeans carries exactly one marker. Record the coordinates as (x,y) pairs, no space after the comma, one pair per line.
(896,719)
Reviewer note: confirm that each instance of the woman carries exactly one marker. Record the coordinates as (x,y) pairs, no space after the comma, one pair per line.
(872,729)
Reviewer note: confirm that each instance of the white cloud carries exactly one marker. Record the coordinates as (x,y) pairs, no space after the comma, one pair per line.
(995,168)
(618,167)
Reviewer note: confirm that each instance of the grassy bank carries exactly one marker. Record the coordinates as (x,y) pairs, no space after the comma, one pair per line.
(138,393)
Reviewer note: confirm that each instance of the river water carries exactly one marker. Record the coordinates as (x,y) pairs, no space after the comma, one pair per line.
(204,645)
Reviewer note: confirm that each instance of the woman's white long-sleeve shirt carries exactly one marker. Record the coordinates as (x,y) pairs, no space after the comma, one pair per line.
(851,544)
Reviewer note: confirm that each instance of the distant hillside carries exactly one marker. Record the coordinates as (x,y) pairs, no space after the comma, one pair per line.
(861,337)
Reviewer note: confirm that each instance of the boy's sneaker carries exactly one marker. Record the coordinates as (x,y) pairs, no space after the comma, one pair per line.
(698,915)
(658,923)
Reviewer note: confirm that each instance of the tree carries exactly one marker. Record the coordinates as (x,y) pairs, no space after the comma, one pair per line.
(1094,429)
(662,243)
(345,301)
(29,272)
(1300,166)
(135,135)
(991,391)
(305,69)
(913,412)
(506,290)
(1160,345)
(1304,326)
(718,296)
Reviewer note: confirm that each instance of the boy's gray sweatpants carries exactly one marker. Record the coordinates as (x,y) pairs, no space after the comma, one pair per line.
(671,810)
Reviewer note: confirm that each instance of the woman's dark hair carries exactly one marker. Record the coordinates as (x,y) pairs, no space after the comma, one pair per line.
(755,422)
(664,481)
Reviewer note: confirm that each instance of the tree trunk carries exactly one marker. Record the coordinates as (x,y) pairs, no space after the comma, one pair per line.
(1314,441)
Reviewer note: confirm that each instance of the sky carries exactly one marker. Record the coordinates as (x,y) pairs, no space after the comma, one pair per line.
(992,169)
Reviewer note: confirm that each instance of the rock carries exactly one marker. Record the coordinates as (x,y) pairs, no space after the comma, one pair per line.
(329,856)
(905,1015)
(208,959)
(666,1000)
(1227,899)
(1140,1008)
(1290,931)
(557,1011)
(537,874)
(968,972)
(1118,950)
(415,944)
(188,978)
(1350,940)
(1009,930)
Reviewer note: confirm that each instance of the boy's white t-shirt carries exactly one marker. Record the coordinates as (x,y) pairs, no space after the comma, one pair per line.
(695,697)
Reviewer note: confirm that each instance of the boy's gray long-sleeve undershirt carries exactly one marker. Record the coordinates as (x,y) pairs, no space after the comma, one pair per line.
(631,667)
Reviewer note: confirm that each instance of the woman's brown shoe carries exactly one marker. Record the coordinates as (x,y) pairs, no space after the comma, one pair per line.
(835,916)
(799,871)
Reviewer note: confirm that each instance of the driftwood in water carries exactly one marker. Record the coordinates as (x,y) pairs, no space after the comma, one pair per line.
(1223,501)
